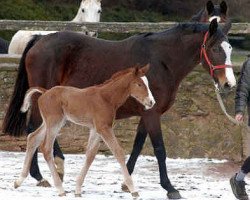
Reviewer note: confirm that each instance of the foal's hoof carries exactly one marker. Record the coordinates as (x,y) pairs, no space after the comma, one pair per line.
(43,183)
(135,195)
(62,194)
(16,185)
(174,195)
(78,195)
(125,188)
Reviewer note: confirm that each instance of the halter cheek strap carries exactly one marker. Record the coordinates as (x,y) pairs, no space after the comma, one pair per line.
(204,54)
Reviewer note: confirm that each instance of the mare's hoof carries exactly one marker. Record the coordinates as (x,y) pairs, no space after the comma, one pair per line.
(78,195)
(43,183)
(125,188)
(135,194)
(16,185)
(174,195)
(62,194)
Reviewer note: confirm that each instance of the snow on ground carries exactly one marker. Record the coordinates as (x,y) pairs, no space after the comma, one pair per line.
(197,179)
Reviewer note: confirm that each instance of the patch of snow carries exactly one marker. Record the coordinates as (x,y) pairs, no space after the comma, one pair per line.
(196,179)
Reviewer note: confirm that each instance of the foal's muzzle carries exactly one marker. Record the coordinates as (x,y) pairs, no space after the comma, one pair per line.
(149,103)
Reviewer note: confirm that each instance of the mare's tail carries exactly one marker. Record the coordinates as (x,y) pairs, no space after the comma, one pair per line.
(28,95)
(14,122)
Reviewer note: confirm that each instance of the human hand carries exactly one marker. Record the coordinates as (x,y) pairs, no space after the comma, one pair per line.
(239,117)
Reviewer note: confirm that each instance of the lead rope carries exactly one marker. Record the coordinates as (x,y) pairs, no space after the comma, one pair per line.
(224,109)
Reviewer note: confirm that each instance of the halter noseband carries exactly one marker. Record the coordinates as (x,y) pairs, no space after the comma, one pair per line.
(204,53)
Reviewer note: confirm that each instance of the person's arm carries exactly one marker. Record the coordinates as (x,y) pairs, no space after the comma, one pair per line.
(242,91)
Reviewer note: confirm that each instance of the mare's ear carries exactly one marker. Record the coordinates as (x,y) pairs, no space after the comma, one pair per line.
(144,69)
(213,27)
(223,7)
(227,27)
(210,7)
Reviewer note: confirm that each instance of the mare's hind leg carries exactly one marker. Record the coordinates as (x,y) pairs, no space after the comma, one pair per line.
(92,148)
(110,139)
(33,141)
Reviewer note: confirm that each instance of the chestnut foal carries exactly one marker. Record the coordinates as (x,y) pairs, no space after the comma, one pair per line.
(94,107)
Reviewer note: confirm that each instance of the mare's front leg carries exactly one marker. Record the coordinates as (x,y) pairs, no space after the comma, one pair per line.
(137,147)
(153,127)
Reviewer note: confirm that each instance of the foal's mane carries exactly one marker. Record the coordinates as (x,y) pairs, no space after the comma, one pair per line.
(117,75)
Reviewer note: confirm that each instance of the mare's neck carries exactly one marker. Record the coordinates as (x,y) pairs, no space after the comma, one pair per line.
(116,92)
(184,54)
(201,16)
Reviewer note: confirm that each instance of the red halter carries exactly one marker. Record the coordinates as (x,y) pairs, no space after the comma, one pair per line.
(204,53)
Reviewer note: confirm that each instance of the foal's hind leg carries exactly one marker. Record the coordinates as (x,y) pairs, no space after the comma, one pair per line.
(47,149)
(110,139)
(92,148)
(33,141)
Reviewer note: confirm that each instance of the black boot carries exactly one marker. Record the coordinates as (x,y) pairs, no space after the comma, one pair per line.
(238,188)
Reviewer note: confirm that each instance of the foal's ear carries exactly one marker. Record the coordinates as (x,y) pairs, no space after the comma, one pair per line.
(223,7)
(210,7)
(145,69)
(213,27)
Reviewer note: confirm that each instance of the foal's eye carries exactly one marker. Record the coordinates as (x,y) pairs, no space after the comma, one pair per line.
(83,10)
(139,84)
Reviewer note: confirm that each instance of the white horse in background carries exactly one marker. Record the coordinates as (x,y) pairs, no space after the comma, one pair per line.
(89,11)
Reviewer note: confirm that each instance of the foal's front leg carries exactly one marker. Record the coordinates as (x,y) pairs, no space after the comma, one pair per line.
(92,148)
(110,139)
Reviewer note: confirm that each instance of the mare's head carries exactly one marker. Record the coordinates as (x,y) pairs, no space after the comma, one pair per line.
(216,56)
(89,11)
(211,12)
(218,12)
(139,88)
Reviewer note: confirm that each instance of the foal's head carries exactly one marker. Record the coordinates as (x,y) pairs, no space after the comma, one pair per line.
(216,55)
(139,88)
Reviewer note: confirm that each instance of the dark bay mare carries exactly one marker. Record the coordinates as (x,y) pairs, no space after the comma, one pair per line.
(211,12)
(68,58)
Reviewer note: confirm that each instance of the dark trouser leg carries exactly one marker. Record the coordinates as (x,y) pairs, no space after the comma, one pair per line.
(246,166)
(138,144)
(153,127)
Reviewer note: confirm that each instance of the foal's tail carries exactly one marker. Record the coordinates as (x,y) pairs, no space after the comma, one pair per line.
(14,122)
(28,95)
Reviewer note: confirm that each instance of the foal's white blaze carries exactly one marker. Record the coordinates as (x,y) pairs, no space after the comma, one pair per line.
(229,71)
(214,17)
(150,97)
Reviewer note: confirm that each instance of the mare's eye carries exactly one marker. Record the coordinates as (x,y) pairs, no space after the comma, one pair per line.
(139,84)
(99,11)
(216,49)
(83,10)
